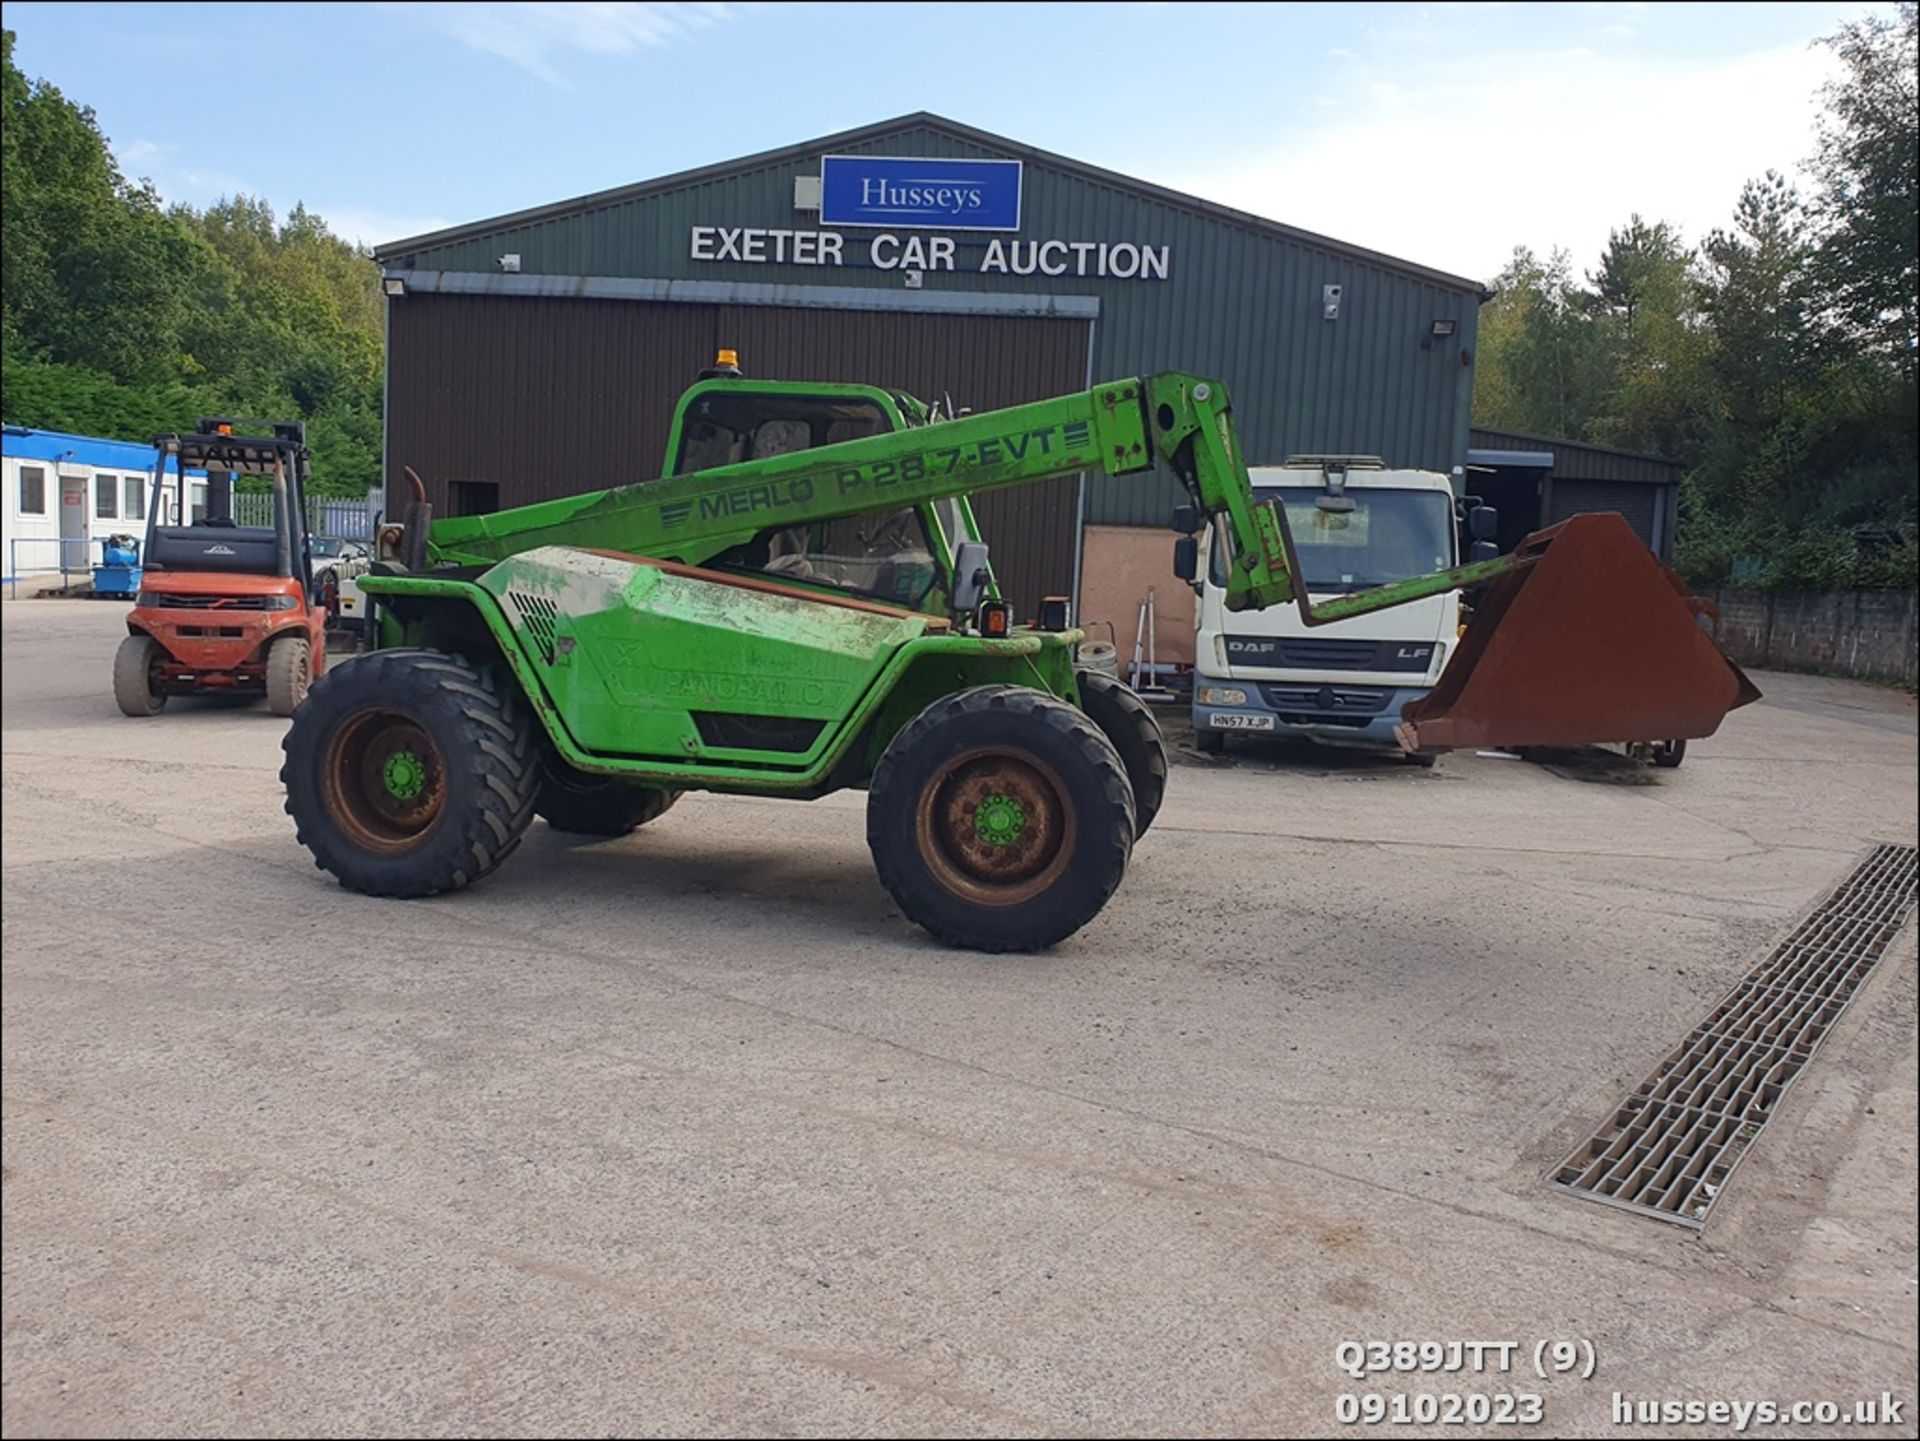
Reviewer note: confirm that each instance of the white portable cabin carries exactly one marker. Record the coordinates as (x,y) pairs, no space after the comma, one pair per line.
(62,495)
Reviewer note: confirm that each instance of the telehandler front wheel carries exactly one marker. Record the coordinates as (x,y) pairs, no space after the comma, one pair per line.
(588,805)
(1000,819)
(410,772)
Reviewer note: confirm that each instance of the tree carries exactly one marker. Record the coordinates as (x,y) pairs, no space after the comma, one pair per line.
(1758,299)
(1869,198)
(1644,303)
(1535,366)
(122,317)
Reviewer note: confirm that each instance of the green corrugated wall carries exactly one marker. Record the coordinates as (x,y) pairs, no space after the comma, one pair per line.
(1240,303)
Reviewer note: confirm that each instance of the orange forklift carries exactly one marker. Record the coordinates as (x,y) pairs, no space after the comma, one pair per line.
(224,609)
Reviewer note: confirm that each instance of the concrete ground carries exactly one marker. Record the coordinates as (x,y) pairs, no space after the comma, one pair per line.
(691,1133)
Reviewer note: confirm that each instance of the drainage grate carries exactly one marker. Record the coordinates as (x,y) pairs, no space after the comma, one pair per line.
(1669,1148)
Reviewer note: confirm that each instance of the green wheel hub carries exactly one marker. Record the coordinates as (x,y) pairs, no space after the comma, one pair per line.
(404,775)
(999,820)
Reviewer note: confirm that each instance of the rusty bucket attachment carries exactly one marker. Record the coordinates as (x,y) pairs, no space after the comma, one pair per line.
(1595,642)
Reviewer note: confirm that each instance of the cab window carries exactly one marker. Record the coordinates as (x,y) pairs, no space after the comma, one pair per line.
(881,555)
(723,428)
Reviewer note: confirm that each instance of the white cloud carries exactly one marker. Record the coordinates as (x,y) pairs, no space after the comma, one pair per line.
(156,160)
(137,153)
(1537,150)
(538,36)
(377,227)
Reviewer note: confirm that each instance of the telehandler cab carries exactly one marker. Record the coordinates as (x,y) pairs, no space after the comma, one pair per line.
(804,604)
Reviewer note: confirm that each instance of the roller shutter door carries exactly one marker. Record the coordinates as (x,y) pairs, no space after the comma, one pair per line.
(1638,503)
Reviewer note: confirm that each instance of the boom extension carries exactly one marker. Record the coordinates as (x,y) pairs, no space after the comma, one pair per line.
(1119,428)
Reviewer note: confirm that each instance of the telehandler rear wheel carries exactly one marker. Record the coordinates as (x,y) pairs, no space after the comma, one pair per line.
(410,772)
(1128,722)
(588,805)
(1000,819)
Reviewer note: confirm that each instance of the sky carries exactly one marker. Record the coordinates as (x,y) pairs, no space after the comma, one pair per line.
(1444,134)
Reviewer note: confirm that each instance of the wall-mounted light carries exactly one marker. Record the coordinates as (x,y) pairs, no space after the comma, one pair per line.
(1330,302)
(1443,328)
(394,285)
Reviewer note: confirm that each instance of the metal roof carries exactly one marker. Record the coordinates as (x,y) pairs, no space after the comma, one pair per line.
(1574,459)
(922,120)
(57,447)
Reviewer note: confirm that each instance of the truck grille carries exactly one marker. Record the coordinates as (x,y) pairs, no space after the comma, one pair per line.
(1334,699)
(1324,653)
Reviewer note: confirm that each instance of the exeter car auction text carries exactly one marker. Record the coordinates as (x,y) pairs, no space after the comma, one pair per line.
(1116,260)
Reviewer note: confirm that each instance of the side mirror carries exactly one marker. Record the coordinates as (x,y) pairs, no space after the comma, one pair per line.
(1186,558)
(1483,522)
(970,576)
(1482,550)
(1186,519)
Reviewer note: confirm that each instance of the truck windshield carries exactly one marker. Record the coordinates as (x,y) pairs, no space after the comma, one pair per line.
(1389,535)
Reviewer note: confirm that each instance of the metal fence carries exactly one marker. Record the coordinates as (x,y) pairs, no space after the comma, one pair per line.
(347,519)
(31,557)
(71,559)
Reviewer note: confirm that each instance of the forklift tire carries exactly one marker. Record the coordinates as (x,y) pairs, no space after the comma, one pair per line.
(289,673)
(1128,722)
(1668,754)
(411,772)
(1000,819)
(577,803)
(134,690)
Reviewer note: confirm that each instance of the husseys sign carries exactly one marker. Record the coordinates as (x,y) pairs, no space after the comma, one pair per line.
(890,194)
(901,193)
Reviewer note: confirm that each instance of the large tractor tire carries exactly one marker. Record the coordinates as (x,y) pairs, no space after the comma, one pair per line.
(136,688)
(1000,819)
(588,805)
(289,673)
(1129,724)
(411,772)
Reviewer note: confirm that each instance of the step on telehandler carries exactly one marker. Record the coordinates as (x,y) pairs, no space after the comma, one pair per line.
(803,603)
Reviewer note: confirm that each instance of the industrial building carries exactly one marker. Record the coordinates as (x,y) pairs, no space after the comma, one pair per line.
(1536,481)
(540,353)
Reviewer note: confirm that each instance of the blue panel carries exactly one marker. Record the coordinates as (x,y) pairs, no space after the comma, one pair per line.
(927,194)
(60,448)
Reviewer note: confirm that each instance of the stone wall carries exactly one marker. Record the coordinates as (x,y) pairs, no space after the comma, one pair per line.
(1868,634)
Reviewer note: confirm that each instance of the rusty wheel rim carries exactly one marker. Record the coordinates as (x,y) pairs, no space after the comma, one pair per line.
(995,826)
(386,780)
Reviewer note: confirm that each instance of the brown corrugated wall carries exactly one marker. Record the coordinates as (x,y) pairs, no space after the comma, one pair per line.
(548,397)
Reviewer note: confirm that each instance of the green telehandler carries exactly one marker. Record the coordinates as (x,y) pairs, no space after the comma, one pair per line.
(803,603)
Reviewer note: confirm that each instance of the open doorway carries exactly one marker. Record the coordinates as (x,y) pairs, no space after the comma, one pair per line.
(1517,492)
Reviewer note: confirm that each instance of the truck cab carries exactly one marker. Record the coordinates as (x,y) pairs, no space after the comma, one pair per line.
(1355,524)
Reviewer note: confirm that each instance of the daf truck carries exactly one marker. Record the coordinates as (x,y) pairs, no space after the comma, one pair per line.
(1356,524)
